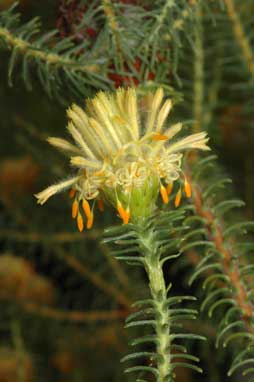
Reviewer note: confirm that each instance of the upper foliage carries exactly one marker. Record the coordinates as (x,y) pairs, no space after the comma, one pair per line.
(132,44)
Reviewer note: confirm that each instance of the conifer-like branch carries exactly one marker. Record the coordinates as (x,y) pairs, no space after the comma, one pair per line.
(56,63)
(224,265)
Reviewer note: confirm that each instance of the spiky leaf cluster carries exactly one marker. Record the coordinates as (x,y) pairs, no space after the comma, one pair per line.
(225,266)
(119,54)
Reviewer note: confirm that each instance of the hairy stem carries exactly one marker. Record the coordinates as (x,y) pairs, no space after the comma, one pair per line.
(153,267)
(159,295)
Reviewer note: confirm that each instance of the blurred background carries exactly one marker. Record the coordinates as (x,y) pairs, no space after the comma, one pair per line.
(63,297)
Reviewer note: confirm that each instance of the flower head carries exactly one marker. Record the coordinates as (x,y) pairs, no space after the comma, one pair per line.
(123,155)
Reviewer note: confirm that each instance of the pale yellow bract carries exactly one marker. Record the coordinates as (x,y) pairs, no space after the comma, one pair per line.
(123,154)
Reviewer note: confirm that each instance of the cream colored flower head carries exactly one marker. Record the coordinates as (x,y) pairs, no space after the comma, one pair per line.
(123,153)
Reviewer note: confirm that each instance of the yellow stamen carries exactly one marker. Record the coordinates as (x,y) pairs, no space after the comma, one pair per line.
(170,188)
(119,120)
(178,198)
(164,194)
(86,208)
(75,209)
(159,137)
(101,205)
(72,193)
(126,217)
(80,222)
(187,188)
(89,223)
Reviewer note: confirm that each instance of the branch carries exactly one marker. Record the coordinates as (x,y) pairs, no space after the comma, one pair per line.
(74,316)
(198,81)
(97,280)
(240,36)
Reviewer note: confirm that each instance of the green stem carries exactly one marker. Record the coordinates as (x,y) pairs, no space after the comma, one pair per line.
(198,72)
(159,295)
(153,267)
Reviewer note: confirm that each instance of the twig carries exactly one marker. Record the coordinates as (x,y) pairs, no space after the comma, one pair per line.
(240,36)
(35,53)
(76,316)
(85,271)
(116,267)
(114,27)
(60,238)
(198,71)
(230,268)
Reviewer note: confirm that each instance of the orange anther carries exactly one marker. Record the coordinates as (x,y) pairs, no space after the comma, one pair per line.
(72,193)
(80,222)
(187,188)
(120,209)
(159,137)
(89,223)
(126,217)
(170,188)
(74,211)
(86,208)
(178,198)
(101,205)
(164,194)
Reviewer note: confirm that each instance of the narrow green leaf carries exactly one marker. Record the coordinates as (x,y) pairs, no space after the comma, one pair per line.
(215,277)
(13,60)
(143,312)
(240,364)
(219,184)
(144,339)
(212,295)
(204,269)
(187,365)
(143,368)
(219,303)
(224,206)
(241,227)
(237,324)
(139,355)
(140,323)
(237,336)
(197,244)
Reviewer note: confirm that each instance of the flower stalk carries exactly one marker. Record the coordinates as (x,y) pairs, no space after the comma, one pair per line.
(153,266)
(158,291)
(151,242)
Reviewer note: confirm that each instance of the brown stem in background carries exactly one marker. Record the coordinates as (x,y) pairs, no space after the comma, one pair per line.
(97,280)
(76,316)
(230,267)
